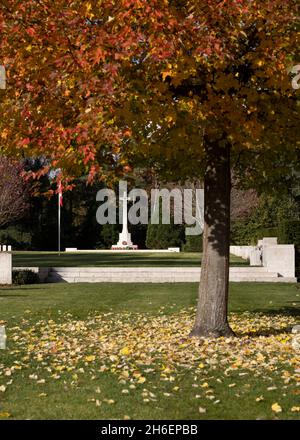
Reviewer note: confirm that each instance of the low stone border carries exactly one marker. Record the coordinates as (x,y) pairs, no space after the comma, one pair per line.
(148,274)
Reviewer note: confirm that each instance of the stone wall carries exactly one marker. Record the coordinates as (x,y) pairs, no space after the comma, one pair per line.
(279,258)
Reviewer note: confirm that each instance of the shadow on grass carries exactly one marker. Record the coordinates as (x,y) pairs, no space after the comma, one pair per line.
(18,288)
(13,296)
(266,332)
(285,311)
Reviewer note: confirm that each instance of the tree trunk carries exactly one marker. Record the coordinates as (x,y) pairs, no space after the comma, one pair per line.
(211,318)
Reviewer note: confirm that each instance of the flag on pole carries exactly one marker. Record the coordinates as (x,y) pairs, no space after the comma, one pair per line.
(60,195)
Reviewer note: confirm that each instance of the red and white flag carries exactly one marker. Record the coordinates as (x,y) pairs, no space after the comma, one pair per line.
(60,194)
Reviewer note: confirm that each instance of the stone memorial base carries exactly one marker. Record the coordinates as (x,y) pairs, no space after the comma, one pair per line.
(124,242)
(117,247)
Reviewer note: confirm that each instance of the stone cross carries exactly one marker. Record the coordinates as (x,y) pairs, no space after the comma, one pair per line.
(125,199)
(125,236)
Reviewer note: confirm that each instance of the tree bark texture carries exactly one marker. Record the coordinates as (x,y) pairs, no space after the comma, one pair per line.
(211,317)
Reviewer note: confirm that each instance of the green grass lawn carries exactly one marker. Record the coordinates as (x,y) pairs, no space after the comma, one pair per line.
(76,259)
(113,351)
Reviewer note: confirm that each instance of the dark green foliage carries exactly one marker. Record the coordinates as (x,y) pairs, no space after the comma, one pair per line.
(79,227)
(264,221)
(109,235)
(16,236)
(193,243)
(289,232)
(164,236)
(21,277)
(138,235)
(248,232)
(39,229)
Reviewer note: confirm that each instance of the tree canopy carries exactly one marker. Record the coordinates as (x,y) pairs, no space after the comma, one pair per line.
(93,86)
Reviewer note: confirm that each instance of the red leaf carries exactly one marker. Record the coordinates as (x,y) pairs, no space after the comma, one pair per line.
(30,31)
(24,142)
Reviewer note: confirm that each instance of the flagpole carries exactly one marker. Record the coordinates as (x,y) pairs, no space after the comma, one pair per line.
(59,217)
(60,201)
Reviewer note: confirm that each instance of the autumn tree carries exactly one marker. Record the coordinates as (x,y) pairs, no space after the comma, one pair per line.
(14,192)
(190,88)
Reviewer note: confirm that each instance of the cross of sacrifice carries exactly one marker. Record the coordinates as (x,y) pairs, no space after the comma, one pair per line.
(124,200)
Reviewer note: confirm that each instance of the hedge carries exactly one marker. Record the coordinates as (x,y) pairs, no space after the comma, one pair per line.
(164,236)
(21,277)
(289,232)
(193,243)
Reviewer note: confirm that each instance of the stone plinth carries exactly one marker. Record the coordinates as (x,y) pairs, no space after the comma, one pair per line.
(5,268)
(280,259)
(124,239)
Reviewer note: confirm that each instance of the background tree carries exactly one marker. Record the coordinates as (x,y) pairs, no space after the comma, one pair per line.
(190,88)
(14,192)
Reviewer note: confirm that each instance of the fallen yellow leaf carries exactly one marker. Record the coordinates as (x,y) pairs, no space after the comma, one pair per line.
(276,408)
(142,379)
(5,414)
(125,351)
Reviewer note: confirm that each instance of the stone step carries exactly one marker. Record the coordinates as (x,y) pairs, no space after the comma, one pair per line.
(145,269)
(57,279)
(141,274)
(152,275)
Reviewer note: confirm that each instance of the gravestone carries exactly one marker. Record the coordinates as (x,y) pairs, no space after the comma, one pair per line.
(256,256)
